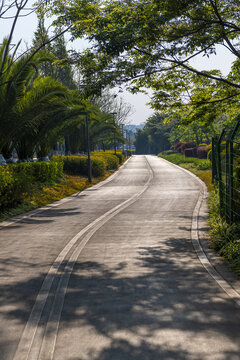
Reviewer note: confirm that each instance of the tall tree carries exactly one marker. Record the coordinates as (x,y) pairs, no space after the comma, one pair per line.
(62,70)
(41,39)
(154,137)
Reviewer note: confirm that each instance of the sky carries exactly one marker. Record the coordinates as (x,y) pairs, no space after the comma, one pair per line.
(25,29)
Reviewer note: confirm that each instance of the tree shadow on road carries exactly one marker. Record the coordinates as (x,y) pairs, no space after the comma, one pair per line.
(42,217)
(161,306)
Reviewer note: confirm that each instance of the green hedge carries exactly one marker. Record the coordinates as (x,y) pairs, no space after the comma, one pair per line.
(111,161)
(18,179)
(121,157)
(42,171)
(78,165)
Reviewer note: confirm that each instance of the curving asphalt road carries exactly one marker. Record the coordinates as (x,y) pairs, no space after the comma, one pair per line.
(111,274)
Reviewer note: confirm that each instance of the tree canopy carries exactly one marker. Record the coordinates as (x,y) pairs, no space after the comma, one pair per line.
(151,44)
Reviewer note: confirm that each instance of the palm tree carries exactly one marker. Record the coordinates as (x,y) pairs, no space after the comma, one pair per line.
(16,79)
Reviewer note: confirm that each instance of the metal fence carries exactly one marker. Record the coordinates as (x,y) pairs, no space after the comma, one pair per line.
(226,171)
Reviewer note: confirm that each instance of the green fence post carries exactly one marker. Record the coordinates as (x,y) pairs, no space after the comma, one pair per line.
(219,171)
(227,194)
(214,165)
(231,164)
(230,181)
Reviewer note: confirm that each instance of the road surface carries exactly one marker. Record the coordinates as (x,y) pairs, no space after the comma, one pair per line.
(111,274)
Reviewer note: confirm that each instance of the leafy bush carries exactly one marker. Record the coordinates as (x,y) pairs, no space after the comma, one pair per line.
(204,164)
(190,152)
(78,165)
(224,237)
(11,187)
(18,179)
(221,233)
(41,171)
(75,165)
(181,146)
(231,250)
(98,167)
(111,161)
(120,156)
(202,152)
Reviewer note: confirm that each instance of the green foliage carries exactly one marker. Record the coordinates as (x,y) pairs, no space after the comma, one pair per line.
(18,179)
(224,238)
(12,187)
(153,138)
(119,155)
(201,164)
(221,233)
(151,43)
(101,161)
(42,171)
(231,251)
(78,165)
(111,161)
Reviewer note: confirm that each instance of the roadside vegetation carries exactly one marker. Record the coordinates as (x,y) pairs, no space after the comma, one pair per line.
(27,186)
(223,237)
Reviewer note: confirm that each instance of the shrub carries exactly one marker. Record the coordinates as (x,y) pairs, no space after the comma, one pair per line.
(204,164)
(202,152)
(75,165)
(128,153)
(78,165)
(178,146)
(231,250)
(120,156)
(98,167)
(111,161)
(41,171)
(224,237)
(190,152)
(221,233)
(18,179)
(181,146)
(168,152)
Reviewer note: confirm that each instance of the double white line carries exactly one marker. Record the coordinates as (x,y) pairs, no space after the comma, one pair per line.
(39,336)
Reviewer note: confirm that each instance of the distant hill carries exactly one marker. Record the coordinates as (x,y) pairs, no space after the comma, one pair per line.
(133,128)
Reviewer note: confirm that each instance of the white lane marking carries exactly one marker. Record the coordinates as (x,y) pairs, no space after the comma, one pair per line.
(229,290)
(29,347)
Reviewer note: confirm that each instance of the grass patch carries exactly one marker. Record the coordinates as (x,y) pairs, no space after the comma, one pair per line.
(47,194)
(199,167)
